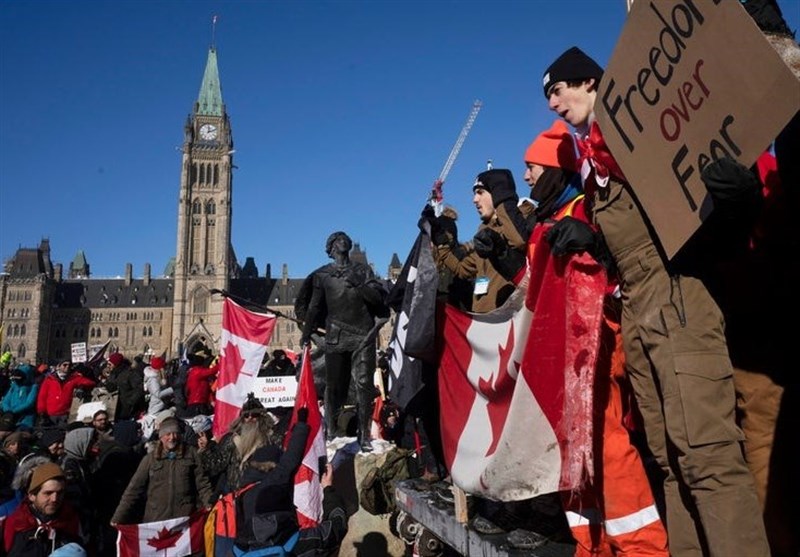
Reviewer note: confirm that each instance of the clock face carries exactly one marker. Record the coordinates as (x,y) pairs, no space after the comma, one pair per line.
(208,131)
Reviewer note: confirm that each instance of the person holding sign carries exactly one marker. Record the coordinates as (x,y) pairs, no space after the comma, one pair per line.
(674,342)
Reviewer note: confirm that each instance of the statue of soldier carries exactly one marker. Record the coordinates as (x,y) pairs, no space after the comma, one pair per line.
(348,301)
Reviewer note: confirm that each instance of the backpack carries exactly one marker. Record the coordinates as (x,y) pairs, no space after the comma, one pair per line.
(377,487)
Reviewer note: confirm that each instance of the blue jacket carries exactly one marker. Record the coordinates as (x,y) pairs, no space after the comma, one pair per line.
(21,397)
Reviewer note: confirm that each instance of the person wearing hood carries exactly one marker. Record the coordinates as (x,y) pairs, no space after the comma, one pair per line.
(78,465)
(55,395)
(155,384)
(20,399)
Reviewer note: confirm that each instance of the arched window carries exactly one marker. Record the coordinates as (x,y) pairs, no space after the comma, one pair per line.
(202,174)
(149,331)
(216,174)
(110,332)
(116,332)
(144,331)
(16,331)
(22,330)
(196,208)
(21,351)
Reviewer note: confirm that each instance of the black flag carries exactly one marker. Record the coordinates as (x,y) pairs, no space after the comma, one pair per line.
(413,297)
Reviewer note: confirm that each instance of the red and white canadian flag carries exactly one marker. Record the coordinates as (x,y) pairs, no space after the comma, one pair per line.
(307,487)
(176,537)
(515,384)
(243,343)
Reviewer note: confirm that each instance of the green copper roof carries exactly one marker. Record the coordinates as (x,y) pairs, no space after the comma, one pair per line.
(169,270)
(209,101)
(80,260)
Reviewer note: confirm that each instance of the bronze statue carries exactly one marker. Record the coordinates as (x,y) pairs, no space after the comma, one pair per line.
(348,300)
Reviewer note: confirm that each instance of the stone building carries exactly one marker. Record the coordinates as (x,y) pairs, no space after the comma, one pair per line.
(43,313)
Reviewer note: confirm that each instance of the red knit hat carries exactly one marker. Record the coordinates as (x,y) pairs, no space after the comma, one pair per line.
(116,358)
(553,148)
(157,363)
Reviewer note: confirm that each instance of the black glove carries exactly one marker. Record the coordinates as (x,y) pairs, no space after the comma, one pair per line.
(570,235)
(302,415)
(731,185)
(305,340)
(489,242)
(444,231)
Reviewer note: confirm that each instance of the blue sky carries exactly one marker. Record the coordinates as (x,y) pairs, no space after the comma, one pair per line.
(343,113)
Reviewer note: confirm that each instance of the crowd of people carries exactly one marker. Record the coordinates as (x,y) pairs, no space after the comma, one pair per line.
(695,339)
(143,455)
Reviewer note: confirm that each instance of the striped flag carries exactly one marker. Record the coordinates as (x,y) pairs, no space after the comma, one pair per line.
(176,537)
(244,340)
(516,383)
(307,487)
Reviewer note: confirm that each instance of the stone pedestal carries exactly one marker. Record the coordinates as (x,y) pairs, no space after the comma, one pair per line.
(368,535)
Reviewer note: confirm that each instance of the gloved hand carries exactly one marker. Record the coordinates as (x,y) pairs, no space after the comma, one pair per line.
(302,415)
(488,242)
(570,235)
(444,231)
(730,184)
(305,340)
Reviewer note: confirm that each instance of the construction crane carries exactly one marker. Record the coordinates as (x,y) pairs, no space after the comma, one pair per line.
(435,198)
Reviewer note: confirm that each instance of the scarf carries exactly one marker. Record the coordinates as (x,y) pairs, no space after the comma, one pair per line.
(594,154)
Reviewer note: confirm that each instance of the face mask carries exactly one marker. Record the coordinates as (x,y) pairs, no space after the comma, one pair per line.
(61,374)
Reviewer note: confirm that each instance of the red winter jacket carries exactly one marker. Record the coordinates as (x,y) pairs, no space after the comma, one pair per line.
(21,524)
(55,395)
(198,384)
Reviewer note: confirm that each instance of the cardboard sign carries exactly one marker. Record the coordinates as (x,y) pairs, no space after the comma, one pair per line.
(275,391)
(689,82)
(78,352)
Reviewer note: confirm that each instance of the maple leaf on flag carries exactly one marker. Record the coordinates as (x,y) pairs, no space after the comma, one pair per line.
(234,357)
(498,406)
(165,538)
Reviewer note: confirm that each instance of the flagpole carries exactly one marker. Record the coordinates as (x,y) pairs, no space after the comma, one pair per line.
(252,304)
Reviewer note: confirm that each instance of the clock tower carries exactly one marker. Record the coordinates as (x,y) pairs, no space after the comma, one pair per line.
(204,259)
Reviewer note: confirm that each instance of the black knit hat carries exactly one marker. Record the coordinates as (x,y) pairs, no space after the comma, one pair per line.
(252,404)
(572,65)
(499,182)
(50,436)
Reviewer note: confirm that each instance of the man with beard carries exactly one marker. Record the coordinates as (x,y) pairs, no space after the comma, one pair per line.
(253,429)
(44,522)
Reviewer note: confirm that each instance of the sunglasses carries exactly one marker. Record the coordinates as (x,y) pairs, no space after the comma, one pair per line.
(250,415)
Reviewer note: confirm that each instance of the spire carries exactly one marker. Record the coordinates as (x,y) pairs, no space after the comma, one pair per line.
(209,101)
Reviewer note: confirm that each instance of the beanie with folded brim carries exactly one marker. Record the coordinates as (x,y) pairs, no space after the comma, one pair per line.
(553,148)
(43,473)
(574,64)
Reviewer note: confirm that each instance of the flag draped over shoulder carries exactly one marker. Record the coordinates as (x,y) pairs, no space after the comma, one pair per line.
(243,343)
(307,487)
(176,537)
(515,384)
(413,339)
